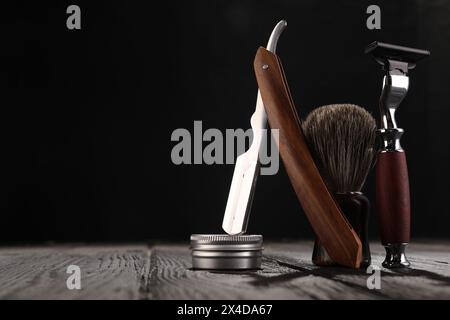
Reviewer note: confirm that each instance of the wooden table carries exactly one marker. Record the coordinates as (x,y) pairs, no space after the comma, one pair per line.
(163,272)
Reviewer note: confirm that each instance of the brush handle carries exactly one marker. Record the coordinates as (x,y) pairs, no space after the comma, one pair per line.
(356,208)
(392,197)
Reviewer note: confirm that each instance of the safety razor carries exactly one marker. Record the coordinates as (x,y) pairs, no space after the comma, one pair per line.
(392,183)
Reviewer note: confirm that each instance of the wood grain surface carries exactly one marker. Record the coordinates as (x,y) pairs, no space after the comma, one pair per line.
(164,272)
(116,272)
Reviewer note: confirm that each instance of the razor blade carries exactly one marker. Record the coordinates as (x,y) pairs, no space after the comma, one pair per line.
(246,170)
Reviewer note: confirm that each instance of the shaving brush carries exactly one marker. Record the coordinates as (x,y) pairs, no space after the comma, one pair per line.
(342,139)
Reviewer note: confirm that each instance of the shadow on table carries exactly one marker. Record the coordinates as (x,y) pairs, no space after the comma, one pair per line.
(333,273)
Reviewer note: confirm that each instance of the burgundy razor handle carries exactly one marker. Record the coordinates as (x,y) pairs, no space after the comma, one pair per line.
(393,206)
(392,197)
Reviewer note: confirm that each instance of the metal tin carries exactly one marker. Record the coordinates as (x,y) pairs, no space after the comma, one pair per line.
(226,252)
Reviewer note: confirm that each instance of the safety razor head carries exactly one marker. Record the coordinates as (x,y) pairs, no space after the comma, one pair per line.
(396,61)
(395,58)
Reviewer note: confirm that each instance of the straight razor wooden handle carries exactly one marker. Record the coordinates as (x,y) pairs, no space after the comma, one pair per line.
(335,233)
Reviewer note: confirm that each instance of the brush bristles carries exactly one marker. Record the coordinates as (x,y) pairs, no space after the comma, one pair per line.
(342,141)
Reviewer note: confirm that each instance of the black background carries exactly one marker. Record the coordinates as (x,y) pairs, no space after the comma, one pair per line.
(87,115)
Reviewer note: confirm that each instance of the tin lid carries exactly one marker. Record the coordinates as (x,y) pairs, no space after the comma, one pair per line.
(224,242)
(225,252)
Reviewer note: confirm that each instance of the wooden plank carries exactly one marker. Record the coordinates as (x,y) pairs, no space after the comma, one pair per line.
(107,272)
(280,278)
(288,274)
(428,279)
(136,272)
(172,278)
